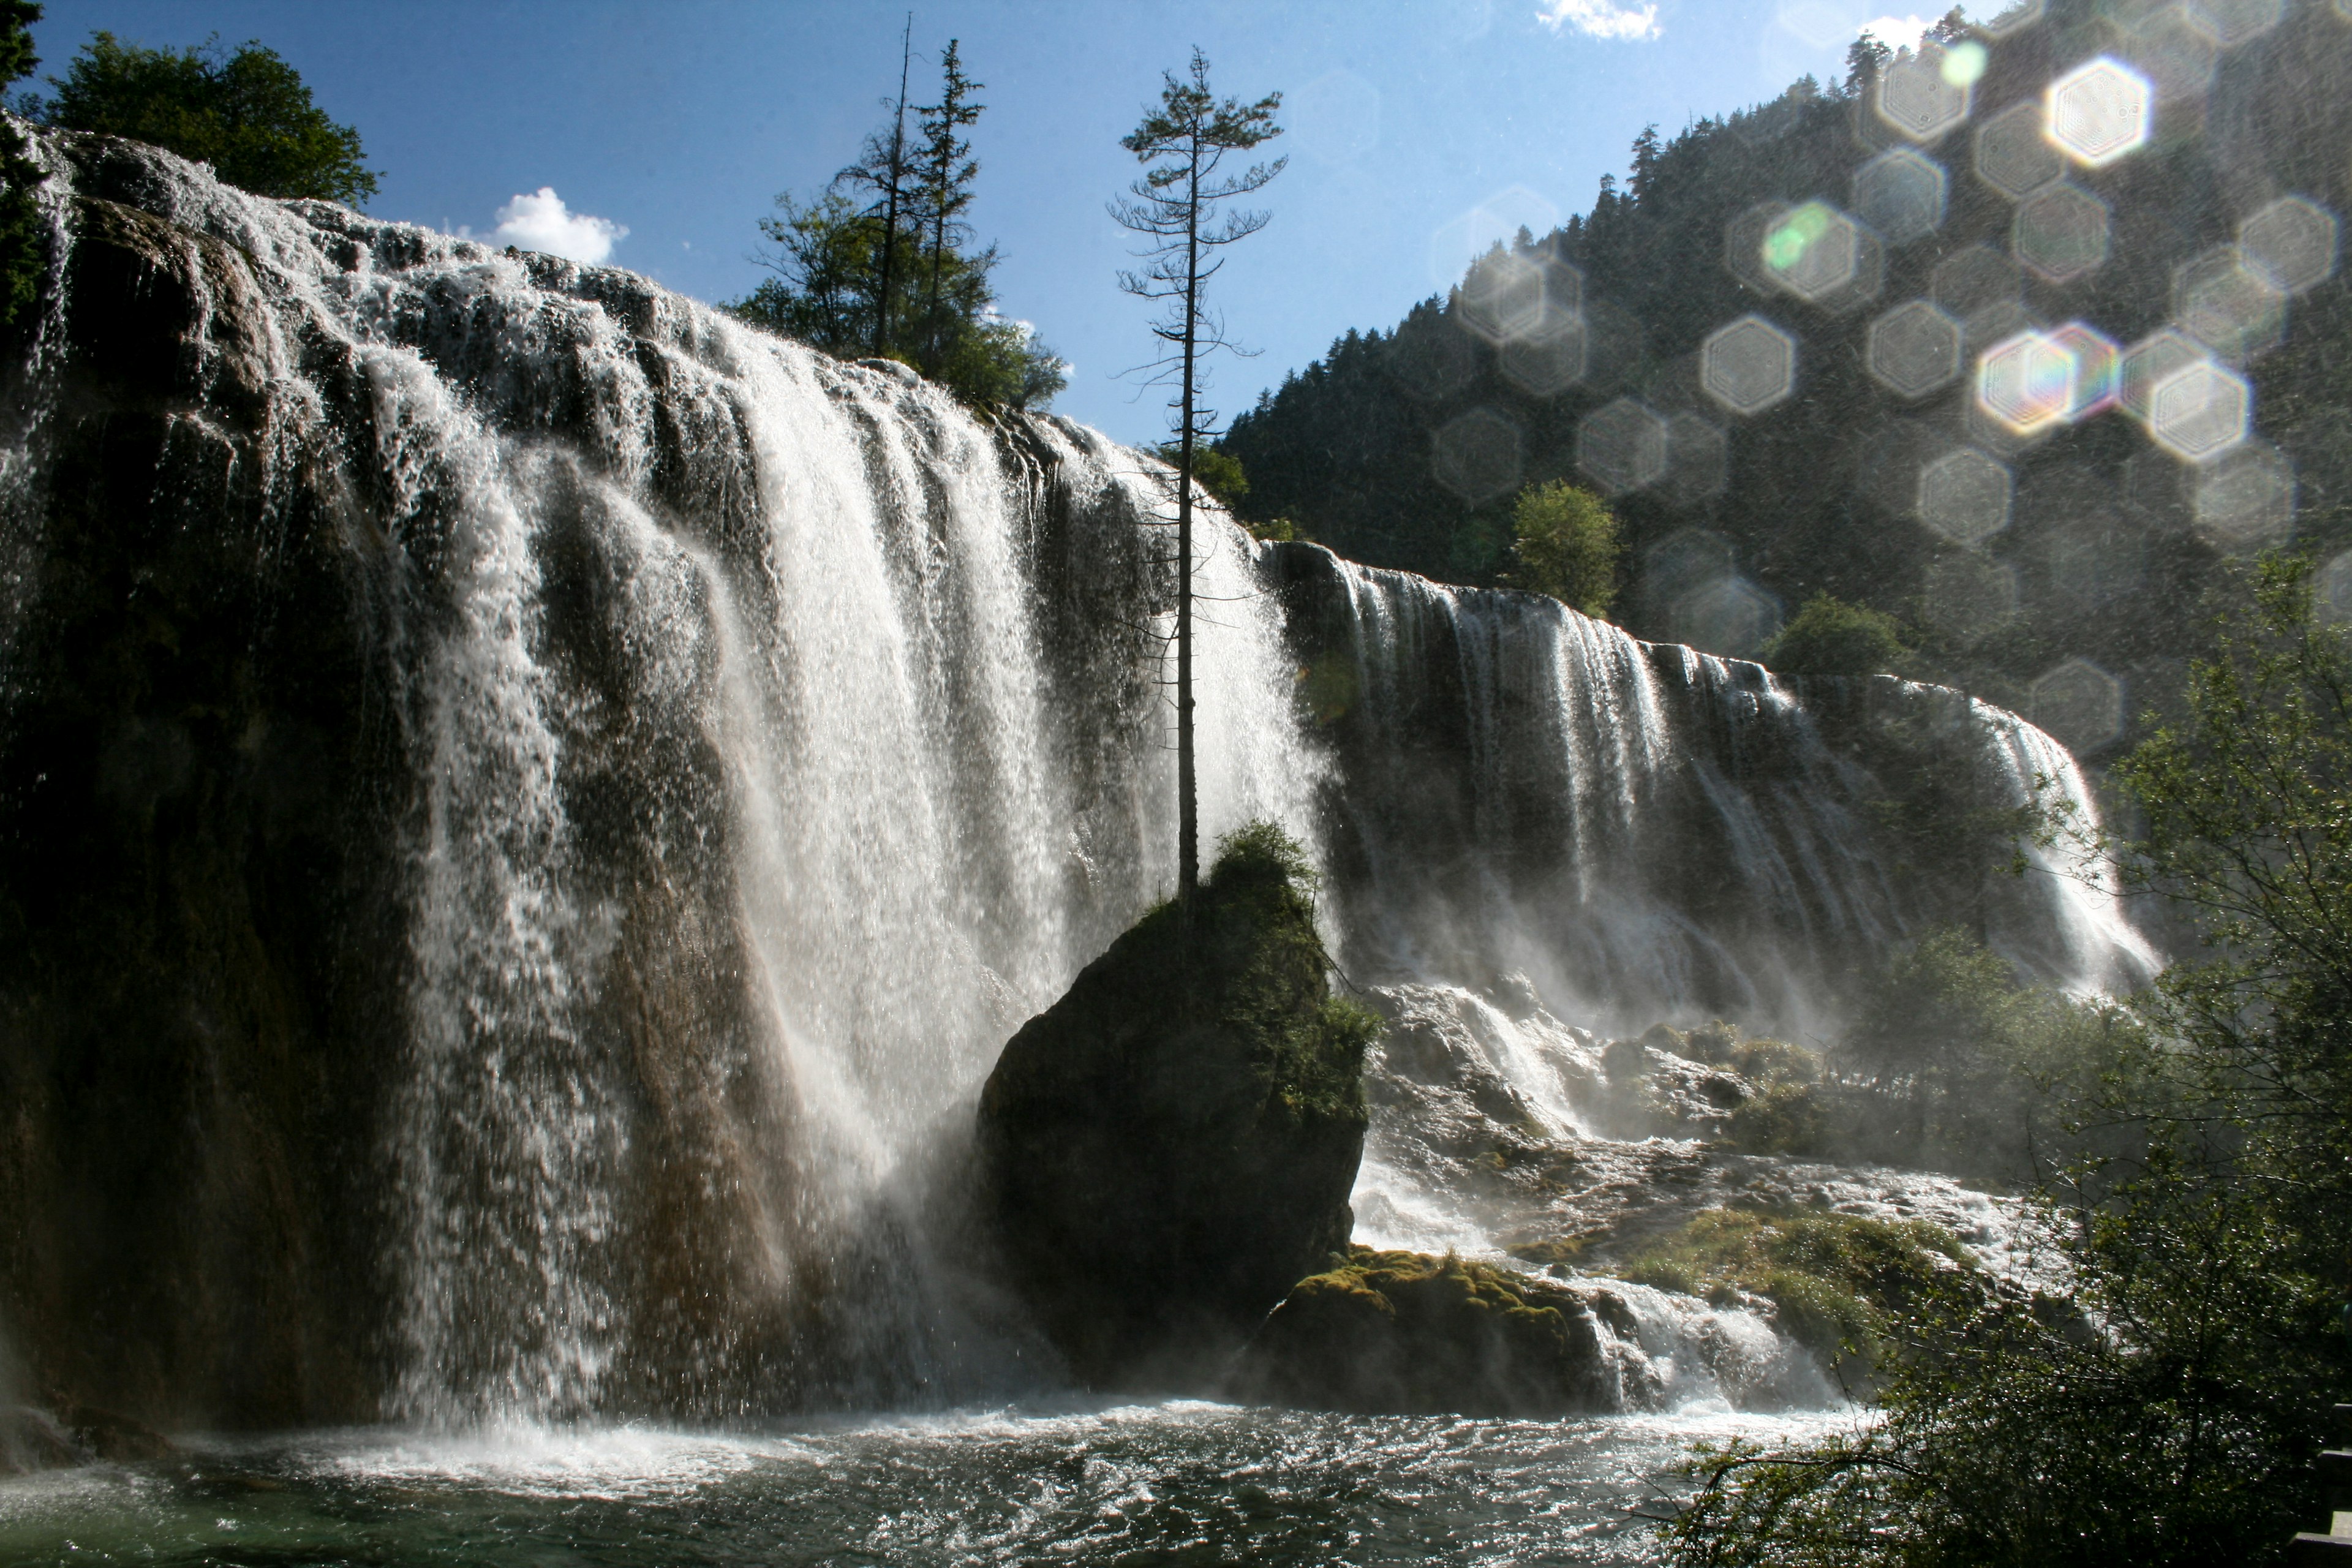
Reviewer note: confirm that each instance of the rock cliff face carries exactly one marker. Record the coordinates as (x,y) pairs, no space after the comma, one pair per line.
(199,942)
(1171,1146)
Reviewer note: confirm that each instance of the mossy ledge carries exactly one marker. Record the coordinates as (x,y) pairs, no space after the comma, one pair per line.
(1404,1333)
(1170,1147)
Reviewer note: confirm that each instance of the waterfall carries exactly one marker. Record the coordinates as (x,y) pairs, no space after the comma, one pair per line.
(1652,832)
(756,741)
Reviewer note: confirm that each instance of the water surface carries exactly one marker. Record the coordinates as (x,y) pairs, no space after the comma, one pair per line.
(1172,1483)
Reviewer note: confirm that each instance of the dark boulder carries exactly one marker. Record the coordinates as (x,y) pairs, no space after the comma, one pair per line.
(1171,1145)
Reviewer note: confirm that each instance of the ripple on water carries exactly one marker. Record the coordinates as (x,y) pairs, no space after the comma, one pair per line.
(1183,1480)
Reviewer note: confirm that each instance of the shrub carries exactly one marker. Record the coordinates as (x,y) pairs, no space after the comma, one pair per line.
(1565,542)
(1830,636)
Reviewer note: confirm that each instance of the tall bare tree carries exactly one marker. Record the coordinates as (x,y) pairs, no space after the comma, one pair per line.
(888,170)
(1176,207)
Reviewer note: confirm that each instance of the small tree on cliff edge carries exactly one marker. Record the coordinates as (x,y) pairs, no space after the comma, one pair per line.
(1183,140)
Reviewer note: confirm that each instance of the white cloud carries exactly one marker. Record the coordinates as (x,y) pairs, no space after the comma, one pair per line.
(1898,32)
(1601,18)
(542,222)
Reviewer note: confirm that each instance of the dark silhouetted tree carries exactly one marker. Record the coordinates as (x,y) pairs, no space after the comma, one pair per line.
(248,114)
(1184,140)
(23,235)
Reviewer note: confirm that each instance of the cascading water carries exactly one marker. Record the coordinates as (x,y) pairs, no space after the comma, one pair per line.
(757,740)
(1650,832)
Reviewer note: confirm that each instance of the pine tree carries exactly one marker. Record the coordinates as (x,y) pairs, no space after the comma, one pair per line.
(23,236)
(1183,140)
(948,170)
(877,264)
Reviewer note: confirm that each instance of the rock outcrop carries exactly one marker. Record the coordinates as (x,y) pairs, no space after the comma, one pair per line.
(1403,1332)
(1171,1146)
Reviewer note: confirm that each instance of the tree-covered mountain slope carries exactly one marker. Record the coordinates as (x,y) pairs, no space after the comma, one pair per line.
(2015,337)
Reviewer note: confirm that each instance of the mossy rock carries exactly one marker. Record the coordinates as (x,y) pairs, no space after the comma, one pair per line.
(1404,1333)
(1836,1280)
(1171,1145)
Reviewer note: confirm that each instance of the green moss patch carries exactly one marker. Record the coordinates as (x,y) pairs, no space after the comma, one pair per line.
(1406,1331)
(1835,1279)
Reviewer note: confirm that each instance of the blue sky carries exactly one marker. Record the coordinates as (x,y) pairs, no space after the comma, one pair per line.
(1414,129)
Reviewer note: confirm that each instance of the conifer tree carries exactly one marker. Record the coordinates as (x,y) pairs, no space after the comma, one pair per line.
(878,264)
(23,236)
(947,171)
(1184,140)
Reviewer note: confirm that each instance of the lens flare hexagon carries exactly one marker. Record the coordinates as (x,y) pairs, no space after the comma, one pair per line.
(1503,297)
(2098,365)
(1822,255)
(1901,193)
(2012,156)
(2060,231)
(1964,495)
(1622,445)
(2147,362)
(1916,96)
(2079,703)
(1749,365)
(2026,381)
(1730,615)
(2099,112)
(1546,361)
(2199,411)
(2177,60)
(1476,455)
(2244,500)
(2291,242)
(1914,349)
(1699,459)
(2229,23)
(2229,305)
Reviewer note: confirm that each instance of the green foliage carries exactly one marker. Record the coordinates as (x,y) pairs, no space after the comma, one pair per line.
(1309,1058)
(2210,1246)
(1955,1065)
(17,61)
(1564,542)
(1214,470)
(248,114)
(1262,851)
(1838,1280)
(2182,1433)
(893,274)
(24,248)
(1830,636)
